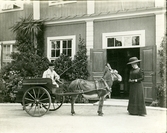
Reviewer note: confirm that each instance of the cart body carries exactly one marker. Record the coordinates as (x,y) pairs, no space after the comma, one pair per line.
(27,83)
(36,96)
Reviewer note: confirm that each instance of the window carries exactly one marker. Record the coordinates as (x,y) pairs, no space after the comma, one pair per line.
(124,39)
(61,2)
(6,6)
(58,45)
(7,48)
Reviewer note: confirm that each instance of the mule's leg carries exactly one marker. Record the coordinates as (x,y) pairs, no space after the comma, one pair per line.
(73,99)
(101,101)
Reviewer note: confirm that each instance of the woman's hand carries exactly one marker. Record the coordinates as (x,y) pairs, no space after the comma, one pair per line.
(131,80)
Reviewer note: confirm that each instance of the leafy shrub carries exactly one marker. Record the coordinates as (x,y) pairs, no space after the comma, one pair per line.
(63,66)
(29,60)
(163,62)
(80,62)
(70,69)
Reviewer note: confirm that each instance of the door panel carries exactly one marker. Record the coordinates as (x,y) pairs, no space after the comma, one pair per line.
(148,64)
(98,61)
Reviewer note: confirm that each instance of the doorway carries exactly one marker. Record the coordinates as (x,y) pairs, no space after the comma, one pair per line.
(118,59)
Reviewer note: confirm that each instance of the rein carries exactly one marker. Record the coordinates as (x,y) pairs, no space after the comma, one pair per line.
(70,67)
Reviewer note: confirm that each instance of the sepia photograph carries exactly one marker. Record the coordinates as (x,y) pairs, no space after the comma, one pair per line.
(83,66)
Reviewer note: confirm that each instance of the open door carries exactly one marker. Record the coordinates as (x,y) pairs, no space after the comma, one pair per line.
(98,61)
(148,64)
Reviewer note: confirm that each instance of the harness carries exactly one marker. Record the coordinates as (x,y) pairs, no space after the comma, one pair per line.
(106,85)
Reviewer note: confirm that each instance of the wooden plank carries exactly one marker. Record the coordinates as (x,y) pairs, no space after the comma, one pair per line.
(148,66)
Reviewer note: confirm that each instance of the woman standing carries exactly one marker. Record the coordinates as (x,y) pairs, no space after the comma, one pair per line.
(136,105)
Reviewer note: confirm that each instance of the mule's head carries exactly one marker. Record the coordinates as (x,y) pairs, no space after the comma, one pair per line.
(115,76)
(111,75)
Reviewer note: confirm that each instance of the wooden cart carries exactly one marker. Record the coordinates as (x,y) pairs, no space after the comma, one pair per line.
(37,98)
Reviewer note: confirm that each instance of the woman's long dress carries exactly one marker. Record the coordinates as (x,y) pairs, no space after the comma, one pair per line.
(136,105)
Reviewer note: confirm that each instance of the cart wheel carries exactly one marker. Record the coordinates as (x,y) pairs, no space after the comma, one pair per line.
(36,101)
(56,103)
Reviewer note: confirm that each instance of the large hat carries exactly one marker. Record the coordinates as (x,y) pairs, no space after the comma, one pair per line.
(133,60)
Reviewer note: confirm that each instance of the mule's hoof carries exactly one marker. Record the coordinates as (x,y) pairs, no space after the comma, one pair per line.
(100,114)
(72,114)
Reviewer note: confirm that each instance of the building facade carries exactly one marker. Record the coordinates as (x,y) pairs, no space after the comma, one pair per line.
(113,32)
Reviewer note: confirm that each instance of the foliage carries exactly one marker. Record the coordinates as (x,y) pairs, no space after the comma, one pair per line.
(63,66)
(11,83)
(26,65)
(29,35)
(163,73)
(80,69)
(70,69)
(29,60)
(2,88)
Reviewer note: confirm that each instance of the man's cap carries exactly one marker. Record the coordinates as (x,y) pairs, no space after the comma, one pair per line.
(51,64)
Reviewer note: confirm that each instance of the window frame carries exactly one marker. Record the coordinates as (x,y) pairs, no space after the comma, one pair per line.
(11,43)
(59,2)
(140,33)
(71,37)
(21,3)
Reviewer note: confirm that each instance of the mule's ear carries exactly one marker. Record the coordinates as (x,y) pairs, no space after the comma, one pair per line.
(119,77)
(115,71)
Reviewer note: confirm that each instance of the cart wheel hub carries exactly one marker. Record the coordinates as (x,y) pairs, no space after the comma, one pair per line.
(37,101)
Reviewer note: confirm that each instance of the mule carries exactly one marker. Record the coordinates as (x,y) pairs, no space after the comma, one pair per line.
(99,89)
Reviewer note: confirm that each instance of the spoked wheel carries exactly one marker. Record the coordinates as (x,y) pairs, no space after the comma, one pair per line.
(36,101)
(57,101)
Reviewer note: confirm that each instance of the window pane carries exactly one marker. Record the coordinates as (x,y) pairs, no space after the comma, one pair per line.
(69,52)
(127,41)
(53,45)
(55,48)
(57,53)
(53,53)
(110,42)
(118,41)
(64,51)
(57,44)
(135,40)
(64,44)
(6,51)
(69,43)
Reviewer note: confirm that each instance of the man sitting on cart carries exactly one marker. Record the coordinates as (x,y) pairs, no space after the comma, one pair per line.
(50,73)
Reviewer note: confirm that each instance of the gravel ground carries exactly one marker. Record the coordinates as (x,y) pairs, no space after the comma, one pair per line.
(115,120)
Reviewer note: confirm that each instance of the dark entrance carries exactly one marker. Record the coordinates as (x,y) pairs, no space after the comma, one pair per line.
(118,59)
